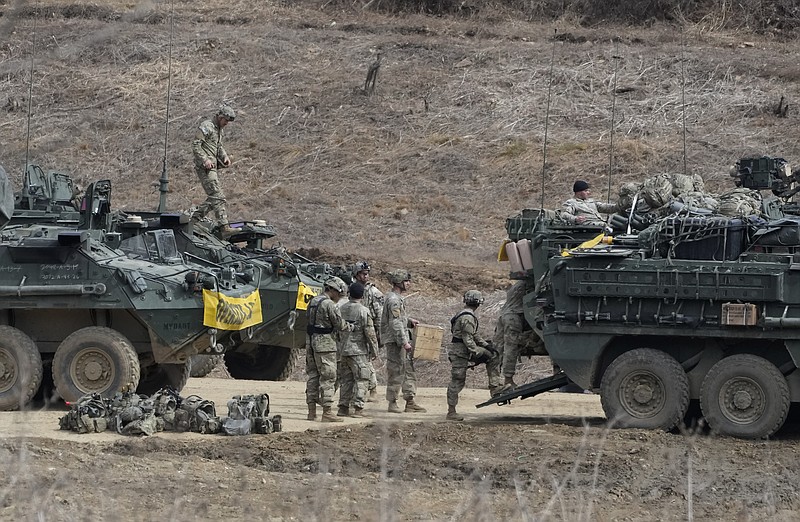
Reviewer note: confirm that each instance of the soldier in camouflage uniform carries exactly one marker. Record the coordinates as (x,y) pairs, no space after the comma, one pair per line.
(355,350)
(468,345)
(508,332)
(210,155)
(394,334)
(373,300)
(582,209)
(324,323)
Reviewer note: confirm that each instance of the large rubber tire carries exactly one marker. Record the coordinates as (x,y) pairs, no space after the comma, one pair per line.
(95,359)
(202,365)
(645,388)
(20,369)
(745,396)
(266,363)
(157,376)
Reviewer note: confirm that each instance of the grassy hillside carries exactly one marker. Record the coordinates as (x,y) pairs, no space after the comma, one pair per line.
(423,172)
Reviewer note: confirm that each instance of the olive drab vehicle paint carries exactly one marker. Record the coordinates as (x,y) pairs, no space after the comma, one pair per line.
(107,313)
(692,306)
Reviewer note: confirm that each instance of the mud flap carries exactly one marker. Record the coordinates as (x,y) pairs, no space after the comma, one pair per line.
(531,389)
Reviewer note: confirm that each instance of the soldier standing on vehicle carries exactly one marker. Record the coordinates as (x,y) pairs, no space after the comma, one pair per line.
(209,156)
(324,323)
(395,323)
(582,209)
(508,333)
(468,345)
(373,300)
(355,350)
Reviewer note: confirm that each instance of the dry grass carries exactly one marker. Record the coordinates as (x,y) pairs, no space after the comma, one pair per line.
(428,167)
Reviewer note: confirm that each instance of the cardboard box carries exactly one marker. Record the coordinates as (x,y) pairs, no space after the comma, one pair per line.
(427,342)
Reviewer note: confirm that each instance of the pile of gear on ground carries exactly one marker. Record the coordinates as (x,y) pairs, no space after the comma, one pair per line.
(133,414)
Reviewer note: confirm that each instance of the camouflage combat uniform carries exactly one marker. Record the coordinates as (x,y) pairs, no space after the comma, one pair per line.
(588,208)
(207,145)
(395,323)
(355,350)
(508,329)
(373,300)
(466,343)
(324,323)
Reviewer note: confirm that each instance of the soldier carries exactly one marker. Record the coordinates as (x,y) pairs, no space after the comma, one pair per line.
(355,350)
(399,357)
(373,300)
(468,345)
(582,209)
(324,322)
(210,155)
(508,333)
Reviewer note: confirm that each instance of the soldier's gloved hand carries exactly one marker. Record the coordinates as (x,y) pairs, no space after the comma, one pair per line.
(482,355)
(226,161)
(208,164)
(407,347)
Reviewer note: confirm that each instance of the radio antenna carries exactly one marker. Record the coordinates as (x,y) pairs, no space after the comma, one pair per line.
(30,98)
(163,182)
(613,115)
(683,97)
(547,113)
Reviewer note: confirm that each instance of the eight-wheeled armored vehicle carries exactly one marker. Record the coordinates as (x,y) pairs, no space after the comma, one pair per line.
(109,313)
(269,351)
(697,307)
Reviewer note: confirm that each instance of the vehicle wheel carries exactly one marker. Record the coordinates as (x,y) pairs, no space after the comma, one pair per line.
(95,359)
(745,396)
(157,376)
(645,388)
(202,365)
(20,368)
(264,363)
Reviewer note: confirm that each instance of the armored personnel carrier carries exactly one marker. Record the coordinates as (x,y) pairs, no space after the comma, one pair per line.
(697,307)
(269,351)
(109,314)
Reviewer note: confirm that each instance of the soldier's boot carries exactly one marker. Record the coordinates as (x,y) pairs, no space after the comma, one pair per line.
(394,408)
(494,391)
(344,411)
(453,415)
(312,411)
(373,395)
(358,412)
(328,416)
(509,384)
(227,231)
(413,407)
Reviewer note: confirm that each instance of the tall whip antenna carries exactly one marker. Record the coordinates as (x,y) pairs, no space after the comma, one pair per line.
(30,98)
(613,115)
(683,97)
(547,113)
(164,181)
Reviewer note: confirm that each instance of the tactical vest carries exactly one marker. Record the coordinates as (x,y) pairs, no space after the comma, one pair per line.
(455,318)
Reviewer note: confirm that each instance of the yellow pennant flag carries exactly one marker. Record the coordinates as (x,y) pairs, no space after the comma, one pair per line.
(305,294)
(586,244)
(231,313)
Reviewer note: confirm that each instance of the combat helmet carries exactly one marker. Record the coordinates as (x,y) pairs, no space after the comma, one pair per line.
(334,283)
(226,112)
(473,298)
(360,266)
(399,276)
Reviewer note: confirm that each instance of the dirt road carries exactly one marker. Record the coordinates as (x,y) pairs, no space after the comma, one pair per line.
(549,457)
(288,400)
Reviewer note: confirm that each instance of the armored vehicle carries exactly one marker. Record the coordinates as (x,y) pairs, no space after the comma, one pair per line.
(696,308)
(109,314)
(269,351)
